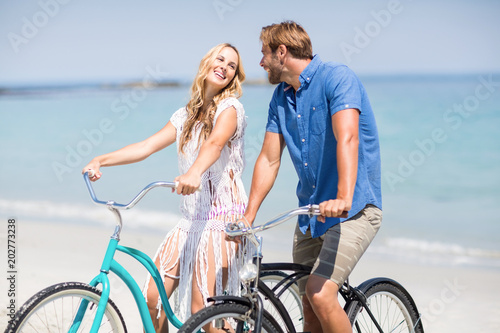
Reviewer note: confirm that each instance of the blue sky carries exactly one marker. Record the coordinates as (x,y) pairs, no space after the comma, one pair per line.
(76,41)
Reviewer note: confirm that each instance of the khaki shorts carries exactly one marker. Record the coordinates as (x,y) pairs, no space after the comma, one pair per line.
(334,254)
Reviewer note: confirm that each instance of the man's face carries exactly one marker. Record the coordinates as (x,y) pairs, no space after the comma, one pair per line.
(271,64)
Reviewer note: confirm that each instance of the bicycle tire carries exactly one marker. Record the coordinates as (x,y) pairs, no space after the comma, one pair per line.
(391,305)
(54,308)
(236,313)
(290,298)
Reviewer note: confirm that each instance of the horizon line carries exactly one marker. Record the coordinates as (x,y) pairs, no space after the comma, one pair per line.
(182,82)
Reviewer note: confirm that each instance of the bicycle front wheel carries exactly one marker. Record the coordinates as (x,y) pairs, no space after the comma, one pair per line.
(391,305)
(55,308)
(228,317)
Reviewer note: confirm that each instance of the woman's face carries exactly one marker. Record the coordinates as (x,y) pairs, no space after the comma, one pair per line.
(223,68)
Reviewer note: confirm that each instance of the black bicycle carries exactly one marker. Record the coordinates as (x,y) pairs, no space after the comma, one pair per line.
(270,301)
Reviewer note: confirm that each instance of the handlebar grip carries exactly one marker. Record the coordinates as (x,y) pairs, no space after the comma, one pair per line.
(90,172)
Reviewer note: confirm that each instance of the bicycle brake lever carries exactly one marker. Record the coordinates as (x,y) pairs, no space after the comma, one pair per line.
(313,210)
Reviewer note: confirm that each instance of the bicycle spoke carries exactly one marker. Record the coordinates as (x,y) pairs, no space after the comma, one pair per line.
(55,310)
(390,306)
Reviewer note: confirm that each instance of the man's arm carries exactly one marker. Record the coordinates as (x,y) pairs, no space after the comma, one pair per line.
(345,126)
(265,172)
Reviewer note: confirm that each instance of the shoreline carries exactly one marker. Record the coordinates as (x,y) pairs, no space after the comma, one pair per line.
(448,296)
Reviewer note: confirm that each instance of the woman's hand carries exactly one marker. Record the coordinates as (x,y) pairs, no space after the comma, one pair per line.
(210,151)
(187,183)
(94,168)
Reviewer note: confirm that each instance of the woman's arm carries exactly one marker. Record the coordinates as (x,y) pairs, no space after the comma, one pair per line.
(210,151)
(135,152)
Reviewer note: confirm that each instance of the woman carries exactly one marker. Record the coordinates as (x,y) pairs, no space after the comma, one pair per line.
(195,257)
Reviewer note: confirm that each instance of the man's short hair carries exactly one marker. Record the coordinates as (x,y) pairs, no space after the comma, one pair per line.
(290,34)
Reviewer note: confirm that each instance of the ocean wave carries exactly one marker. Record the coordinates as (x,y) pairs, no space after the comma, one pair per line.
(47,210)
(418,250)
(443,248)
(436,252)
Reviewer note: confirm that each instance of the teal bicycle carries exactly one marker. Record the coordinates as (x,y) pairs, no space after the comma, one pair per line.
(80,307)
(77,307)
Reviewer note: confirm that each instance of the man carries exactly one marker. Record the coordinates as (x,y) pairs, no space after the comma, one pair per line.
(322,113)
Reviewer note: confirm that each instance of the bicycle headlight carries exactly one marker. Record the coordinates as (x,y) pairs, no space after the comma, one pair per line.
(248,272)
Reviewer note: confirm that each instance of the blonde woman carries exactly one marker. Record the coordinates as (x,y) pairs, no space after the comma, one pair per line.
(195,257)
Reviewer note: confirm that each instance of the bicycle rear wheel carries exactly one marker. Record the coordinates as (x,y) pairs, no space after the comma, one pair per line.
(228,317)
(290,297)
(54,310)
(391,305)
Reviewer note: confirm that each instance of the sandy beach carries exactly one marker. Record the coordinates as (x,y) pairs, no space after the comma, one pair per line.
(452,299)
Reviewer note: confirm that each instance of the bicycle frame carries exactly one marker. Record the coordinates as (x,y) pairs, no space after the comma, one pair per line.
(256,285)
(253,285)
(349,293)
(109,264)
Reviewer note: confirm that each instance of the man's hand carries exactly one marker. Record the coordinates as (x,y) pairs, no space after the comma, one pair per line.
(333,208)
(238,225)
(236,239)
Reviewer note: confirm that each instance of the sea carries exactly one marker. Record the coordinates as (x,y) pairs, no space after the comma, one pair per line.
(440,147)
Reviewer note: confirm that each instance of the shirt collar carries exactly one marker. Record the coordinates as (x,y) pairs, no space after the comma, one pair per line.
(308,73)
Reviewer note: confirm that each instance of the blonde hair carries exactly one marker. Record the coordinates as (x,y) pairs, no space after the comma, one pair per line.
(290,34)
(196,116)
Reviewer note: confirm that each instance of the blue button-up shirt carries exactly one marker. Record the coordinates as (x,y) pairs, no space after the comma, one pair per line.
(304,120)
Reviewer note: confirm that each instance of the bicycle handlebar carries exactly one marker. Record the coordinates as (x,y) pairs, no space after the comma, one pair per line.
(232,230)
(134,201)
(235,229)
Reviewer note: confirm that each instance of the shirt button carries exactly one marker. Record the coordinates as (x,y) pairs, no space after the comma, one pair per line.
(303,140)
(305,164)
(298,116)
(314,186)
(314,108)
(308,79)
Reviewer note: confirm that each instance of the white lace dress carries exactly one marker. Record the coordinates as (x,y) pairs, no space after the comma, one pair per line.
(200,229)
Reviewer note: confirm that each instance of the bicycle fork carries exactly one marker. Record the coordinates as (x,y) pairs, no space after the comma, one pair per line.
(256,302)
(258,314)
(360,297)
(101,307)
(102,279)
